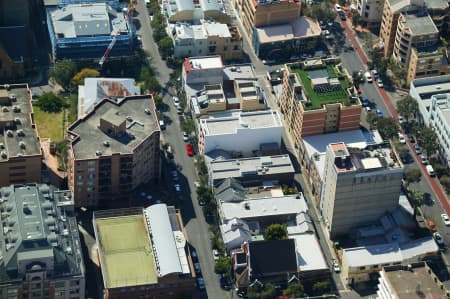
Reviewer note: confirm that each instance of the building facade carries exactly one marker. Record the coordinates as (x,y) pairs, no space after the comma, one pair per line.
(192,10)
(156,261)
(427,63)
(304,106)
(40,244)
(20,150)
(440,121)
(359,186)
(114,149)
(371,12)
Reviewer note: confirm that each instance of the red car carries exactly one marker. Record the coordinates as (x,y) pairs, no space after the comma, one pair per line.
(189,150)
(359,90)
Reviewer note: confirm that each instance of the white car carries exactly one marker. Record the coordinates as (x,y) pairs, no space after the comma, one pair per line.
(185,137)
(368,77)
(337,7)
(336,267)
(445,218)
(401,138)
(423,160)
(176,101)
(438,238)
(380,83)
(375,73)
(177,187)
(368,109)
(400,119)
(215,254)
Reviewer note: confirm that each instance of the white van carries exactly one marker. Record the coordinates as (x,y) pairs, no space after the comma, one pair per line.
(368,77)
(430,170)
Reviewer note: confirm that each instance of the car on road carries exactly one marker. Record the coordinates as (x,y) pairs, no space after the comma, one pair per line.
(445,218)
(189,150)
(400,119)
(368,109)
(177,187)
(423,160)
(368,77)
(336,267)
(380,83)
(374,73)
(200,283)
(432,226)
(176,101)
(438,238)
(411,137)
(342,15)
(365,102)
(417,149)
(379,113)
(179,110)
(193,253)
(197,268)
(337,7)
(401,138)
(185,137)
(162,124)
(216,254)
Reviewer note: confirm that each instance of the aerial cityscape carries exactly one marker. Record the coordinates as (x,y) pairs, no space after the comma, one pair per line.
(193,149)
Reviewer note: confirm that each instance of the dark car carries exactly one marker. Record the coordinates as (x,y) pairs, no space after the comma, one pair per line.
(365,102)
(342,15)
(224,282)
(411,137)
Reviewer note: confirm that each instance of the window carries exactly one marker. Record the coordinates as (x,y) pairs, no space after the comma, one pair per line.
(362,268)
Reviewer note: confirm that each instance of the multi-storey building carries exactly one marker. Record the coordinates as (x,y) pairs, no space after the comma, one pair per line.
(259,13)
(113,149)
(440,120)
(208,38)
(194,10)
(427,63)
(359,186)
(371,11)
(317,98)
(439,12)
(144,252)
(20,150)
(414,31)
(40,245)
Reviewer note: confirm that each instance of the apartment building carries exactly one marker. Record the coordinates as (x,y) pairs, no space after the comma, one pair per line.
(414,31)
(195,10)
(113,149)
(439,11)
(440,120)
(317,98)
(427,63)
(144,253)
(359,186)
(40,244)
(20,150)
(371,12)
(259,13)
(243,132)
(207,38)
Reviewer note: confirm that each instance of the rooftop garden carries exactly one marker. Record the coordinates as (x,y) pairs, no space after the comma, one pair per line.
(317,99)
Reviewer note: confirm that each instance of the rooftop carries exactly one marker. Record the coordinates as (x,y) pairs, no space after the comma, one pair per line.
(420,25)
(87,20)
(416,282)
(282,257)
(301,28)
(96,89)
(442,102)
(18,134)
(263,207)
(138,114)
(436,4)
(426,87)
(398,5)
(38,223)
(180,6)
(235,168)
(309,253)
(217,29)
(203,63)
(244,121)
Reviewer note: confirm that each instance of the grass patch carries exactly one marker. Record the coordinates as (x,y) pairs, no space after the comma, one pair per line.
(72,100)
(319,99)
(49,125)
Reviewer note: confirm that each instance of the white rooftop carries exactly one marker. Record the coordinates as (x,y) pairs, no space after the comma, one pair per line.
(243,121)
(263,207)
(309,253)
(388,253)
(217,29)
(205,62)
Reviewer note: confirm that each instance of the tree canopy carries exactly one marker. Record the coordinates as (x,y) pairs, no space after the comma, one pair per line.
(50,102)
(427,139)
(188,126)
(294,290)
(407,107)
(63,72)
(413,175)
(79,77)
(222,265)
(268,291)
(276,232)
(387,127)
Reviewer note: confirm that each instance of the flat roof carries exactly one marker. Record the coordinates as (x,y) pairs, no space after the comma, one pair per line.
(263,207)
(244,121)
(204,62)
(436,4)
(302,27)
(388,253)
(140,125)
(21,138)
(217,29)
(406,283)
(126,251)
(443,104)
(309,253)
(420,25)
(235,168)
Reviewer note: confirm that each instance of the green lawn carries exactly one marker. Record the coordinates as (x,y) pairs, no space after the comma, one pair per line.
(49,125)
(319,99)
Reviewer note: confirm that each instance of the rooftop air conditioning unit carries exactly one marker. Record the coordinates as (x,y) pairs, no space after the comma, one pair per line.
(16,109)
(106,143)
(98,153)
(147,111)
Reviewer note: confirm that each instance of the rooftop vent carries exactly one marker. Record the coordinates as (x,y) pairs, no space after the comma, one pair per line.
(6,86)
(106,143)
(129,118)
(2,145)
(9,133)
(22,145)
(20,133)
(17,120)
(16,109)
(147,111)
(5,109)
(98,153)
(12,97)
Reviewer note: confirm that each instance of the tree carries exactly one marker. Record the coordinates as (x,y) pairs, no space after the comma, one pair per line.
(222,265)
(188,126)
(276,231)
(79,77)
(387,127)
(50,102)
(445,181)
(201,165)
(413,175)
(417,199)
(427,139)
(152,84)
(63,71)
(372,119)
(158,101)
(166,46)
(294,290)
(356,19)
(320,287)
(407,107)
(319,12)
(258,291)
(439,169)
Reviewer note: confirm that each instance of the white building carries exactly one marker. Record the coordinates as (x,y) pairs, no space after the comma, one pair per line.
(371,11)
(440,121)
(202,70)
(191,10)
(96,89)
(242,132)
(189,40)
(423,89)
(234,233)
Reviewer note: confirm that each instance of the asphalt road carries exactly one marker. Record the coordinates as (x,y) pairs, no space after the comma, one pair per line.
(196,227)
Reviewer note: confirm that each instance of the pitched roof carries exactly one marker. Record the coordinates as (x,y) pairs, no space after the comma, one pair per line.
(282,257)
(230,190)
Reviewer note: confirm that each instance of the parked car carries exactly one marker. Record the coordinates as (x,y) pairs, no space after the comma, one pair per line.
(179,110)
(162,125)
(342,15)
(189,150)
(445,218)
(400,119)
(197,268)
(336,267)
(176,101)
(430,170)
(432,226)
(358,90)
(368,109)
(423,160)
(185,137)
(338,7)
(379,113)
(365,102)
(200,283)
(375,73)
(401,138)
(216,254)
(411,137)
(193,253)
(438,238)
(380,83)
(417,149)
(368,77)
(177,187)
